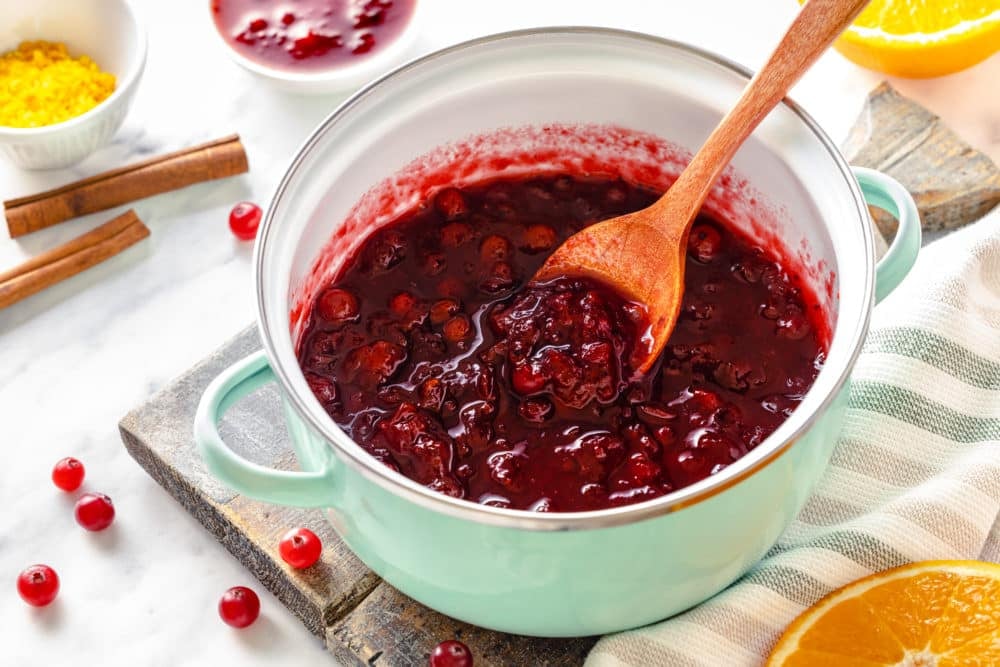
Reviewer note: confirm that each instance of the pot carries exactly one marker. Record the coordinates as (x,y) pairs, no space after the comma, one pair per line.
(584,100)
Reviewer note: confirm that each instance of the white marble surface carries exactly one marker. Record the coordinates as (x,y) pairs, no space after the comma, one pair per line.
(74,359)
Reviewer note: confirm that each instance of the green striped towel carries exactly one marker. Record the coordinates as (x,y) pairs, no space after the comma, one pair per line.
(915,475)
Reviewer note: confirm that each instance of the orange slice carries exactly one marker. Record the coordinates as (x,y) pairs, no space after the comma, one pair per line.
(923,38)
(936,613)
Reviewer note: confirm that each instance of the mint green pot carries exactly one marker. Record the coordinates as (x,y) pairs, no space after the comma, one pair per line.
(556,574)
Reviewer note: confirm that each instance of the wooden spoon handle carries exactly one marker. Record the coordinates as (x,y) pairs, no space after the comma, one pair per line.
(818,23)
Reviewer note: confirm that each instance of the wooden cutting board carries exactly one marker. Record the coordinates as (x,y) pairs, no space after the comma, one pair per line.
(362,619)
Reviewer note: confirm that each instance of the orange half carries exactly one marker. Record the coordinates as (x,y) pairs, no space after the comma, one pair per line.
(930,614)
(923,38)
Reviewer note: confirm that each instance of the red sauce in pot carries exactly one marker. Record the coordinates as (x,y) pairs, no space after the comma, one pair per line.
(433,355)
(310,34)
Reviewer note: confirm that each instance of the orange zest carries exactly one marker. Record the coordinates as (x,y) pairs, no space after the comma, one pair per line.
(929,614)
(923,38)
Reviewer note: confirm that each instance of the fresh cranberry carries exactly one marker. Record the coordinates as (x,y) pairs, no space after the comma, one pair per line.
(257,25)
(244,220)
(239,607)
(300,548)
(68,474)
(94,511)
(38,585)
(451,653)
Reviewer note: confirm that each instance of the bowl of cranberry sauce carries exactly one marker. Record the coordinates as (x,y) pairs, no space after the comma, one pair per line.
(316,45)
(483,443)
(435,354)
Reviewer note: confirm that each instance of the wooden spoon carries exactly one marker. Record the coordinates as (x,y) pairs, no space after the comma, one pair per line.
(642,254)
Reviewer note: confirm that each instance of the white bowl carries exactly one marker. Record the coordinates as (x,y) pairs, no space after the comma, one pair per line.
(337,78)
(105,30)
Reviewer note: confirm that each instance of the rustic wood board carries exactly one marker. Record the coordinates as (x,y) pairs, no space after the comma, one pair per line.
(363,620)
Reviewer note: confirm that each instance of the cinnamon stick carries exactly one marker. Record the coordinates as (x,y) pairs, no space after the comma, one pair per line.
(94,236)
(216,159)
(71,258)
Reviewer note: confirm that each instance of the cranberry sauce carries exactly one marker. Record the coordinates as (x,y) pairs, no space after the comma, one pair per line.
(432,354)
(310,34)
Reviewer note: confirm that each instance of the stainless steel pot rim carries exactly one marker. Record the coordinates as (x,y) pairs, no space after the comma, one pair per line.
(357,458)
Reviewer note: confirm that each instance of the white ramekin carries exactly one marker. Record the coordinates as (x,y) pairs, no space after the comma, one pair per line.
(107,31)
(341,78)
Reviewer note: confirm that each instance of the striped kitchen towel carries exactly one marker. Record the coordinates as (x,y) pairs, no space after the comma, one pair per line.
(915,475)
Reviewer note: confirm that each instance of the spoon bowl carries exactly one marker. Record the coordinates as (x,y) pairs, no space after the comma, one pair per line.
(642,254)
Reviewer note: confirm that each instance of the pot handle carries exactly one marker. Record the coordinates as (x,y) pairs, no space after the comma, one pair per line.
(280,487)
(886,193)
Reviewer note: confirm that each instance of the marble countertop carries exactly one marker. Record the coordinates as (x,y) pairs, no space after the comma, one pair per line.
(76,358)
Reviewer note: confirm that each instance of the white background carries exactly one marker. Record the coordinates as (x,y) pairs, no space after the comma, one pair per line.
(76,358)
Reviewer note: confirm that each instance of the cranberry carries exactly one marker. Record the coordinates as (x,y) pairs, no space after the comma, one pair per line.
(94,511)
(499,279)
(494,248)
(451,653)
(337,306)
(527,379)
(442,310)
(451,204)
(314,43)
(434,263)
(372,14)
(68,474)
(386,250)
(615,195)
(538,238)
(535,410)
(239,607)
(457,329)
(364,43)
(244,220)
(704,243)
(300,548)
(288,18)
(402,303)
(455,234)
(257,25)
(38,585)
(451,287)
(322,388)
(371,365)
(793,326)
